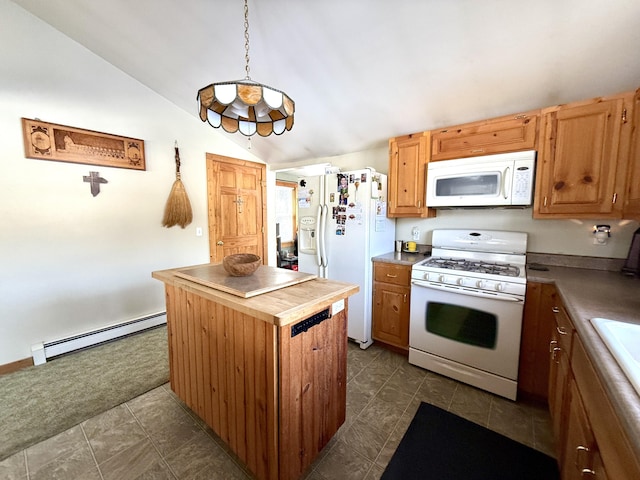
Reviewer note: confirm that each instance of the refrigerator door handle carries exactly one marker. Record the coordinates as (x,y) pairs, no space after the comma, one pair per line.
(319,236)
(322,236)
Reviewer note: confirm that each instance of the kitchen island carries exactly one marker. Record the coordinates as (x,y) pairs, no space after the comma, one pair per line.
(267,373)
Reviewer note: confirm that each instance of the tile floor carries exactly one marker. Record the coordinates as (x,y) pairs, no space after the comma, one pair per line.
(155,436)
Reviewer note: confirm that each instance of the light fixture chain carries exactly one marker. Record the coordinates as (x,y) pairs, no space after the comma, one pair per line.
(246,37)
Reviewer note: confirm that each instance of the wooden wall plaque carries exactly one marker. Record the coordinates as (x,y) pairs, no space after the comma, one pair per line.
(48,141)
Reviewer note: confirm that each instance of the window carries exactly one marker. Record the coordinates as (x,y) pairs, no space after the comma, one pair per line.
(286,211)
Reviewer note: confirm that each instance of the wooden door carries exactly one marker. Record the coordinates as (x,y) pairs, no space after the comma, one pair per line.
(236,191)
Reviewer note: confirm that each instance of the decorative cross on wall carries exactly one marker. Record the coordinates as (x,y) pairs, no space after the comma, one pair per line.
(95,180)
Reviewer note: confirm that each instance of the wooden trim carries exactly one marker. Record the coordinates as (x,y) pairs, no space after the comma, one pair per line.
(15,366)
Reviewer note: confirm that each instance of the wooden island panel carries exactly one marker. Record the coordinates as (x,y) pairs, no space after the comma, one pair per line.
(276,400)
(314,391)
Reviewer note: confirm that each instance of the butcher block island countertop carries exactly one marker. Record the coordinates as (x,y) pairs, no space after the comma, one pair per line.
(267,373)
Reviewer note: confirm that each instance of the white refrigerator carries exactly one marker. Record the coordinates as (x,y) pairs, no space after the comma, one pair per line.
(343,224)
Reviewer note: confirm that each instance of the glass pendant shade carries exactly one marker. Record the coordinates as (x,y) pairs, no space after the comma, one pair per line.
(247,107)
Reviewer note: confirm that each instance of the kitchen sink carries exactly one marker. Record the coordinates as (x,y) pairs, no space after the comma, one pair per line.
(623,340)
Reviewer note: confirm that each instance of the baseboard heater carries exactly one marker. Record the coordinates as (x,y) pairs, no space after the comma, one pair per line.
(43,351)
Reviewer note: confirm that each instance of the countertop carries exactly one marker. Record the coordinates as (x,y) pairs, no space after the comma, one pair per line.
(280,307)
(402,258)
(599,291)
(586,294)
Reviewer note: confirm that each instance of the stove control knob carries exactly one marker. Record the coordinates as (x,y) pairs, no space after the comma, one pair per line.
(479,283)
(499,287)
(425,276)
(460,281)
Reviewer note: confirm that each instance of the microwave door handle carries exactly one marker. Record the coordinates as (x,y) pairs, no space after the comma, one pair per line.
(506,180)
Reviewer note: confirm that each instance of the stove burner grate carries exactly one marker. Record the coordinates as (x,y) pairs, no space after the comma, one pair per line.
(475,266)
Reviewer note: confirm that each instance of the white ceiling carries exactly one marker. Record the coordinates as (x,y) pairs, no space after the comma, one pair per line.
(362,71)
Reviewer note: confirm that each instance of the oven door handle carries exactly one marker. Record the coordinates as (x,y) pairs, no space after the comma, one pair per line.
(466,291)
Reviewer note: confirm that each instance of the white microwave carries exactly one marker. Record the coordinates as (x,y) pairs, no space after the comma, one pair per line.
(502,180)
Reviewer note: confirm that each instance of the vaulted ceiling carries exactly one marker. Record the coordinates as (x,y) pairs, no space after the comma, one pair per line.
(362,71)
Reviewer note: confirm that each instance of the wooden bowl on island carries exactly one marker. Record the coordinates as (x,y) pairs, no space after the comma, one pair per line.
(241,264)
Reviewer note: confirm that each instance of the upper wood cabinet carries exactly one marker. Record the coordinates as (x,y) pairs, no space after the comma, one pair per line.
(408,158)
(631,207)
(498,135)
(582,159)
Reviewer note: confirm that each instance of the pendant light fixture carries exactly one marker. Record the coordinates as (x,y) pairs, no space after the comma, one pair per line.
(244,105)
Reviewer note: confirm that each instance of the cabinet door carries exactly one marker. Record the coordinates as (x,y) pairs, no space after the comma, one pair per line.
(558,383)
(582,160)
(499,135)
(614,445)
(408,157)
(580,446)
(533,370)
(632,195)
(391,314)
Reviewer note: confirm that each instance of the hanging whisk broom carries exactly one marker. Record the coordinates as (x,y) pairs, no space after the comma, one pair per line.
(177,211)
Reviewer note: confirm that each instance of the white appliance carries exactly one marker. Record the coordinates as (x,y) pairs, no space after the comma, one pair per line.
(467,302)
(502,180)
(343,224)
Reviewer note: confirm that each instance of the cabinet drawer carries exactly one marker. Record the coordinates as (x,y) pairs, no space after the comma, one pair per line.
(392,273)
(617,455)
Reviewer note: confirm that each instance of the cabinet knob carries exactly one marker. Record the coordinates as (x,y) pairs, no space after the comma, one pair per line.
(555,309)
(220,243)
(552,345)
(561,330)
(391,276)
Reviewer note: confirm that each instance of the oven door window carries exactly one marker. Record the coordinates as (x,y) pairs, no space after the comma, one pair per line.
(462,324)
(483,184)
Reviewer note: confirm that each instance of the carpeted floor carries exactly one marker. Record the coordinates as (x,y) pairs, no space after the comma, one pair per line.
(439,445)
(41,401)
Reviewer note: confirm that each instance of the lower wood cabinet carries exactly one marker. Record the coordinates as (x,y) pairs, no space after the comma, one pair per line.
(590,440)
(533,369)
(581,458)
(391,300)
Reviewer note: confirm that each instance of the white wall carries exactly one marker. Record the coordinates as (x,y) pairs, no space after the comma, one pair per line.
(567,237)
(72,262)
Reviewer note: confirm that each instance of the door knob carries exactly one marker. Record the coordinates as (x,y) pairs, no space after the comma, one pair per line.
(220,243)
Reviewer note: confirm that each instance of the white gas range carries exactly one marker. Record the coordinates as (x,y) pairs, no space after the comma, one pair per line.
(467,302)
